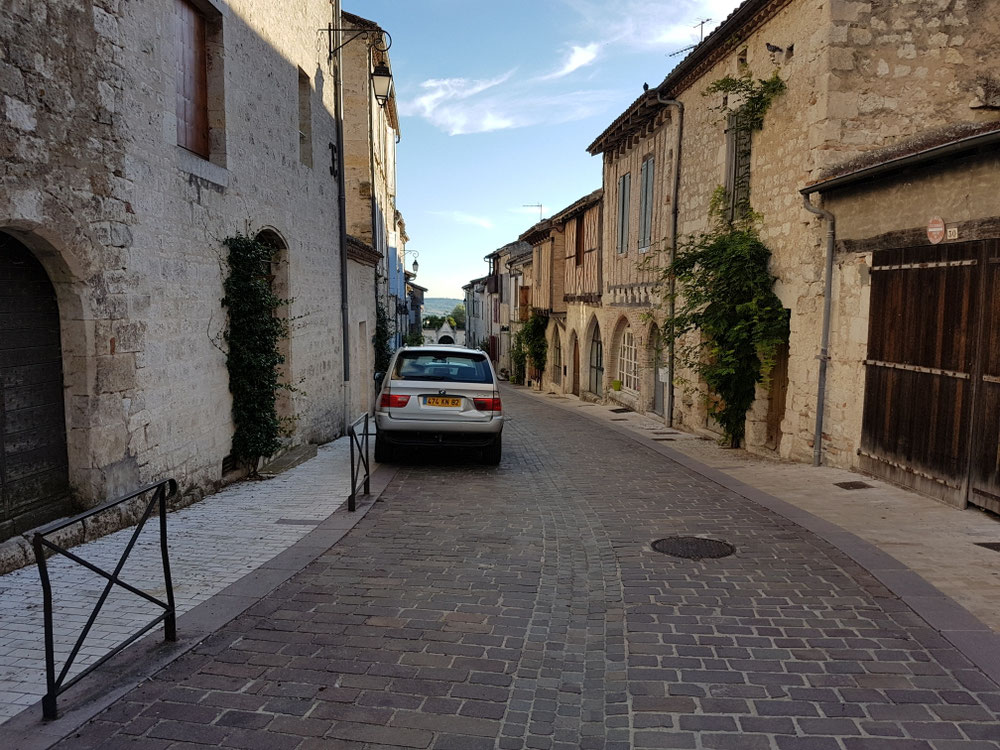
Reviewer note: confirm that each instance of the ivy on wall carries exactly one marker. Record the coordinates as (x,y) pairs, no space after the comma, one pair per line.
(252,334)
(382,337)
(723,291)
(529,346)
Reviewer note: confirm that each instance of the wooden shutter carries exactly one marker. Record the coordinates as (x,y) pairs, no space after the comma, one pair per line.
(192,80)
(646,204)
(624,188)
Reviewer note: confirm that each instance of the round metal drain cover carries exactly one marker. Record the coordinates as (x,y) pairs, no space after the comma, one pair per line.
(693,547)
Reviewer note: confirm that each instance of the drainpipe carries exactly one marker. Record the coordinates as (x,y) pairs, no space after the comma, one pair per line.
(824,355)
(679,106)
(345,318)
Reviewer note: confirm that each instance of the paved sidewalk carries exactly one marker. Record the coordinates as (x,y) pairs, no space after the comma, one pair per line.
(212,544)
(934,540)
(522,606)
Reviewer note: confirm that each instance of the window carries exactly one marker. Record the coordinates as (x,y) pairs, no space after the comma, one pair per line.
(737,168)
(445,367)
(646,204)
(624,187)
(305,119)
(192,80)
(579,240)
(628,365)
(596,363)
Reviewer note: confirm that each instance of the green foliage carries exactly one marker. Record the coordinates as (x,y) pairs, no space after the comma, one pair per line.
(724,296)
(518,358)
(529,346)
(436,321)
(252,334)
(382,337)
(414,339)
(753,97)
(457,316)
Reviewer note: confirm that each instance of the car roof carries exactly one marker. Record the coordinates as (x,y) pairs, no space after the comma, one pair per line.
(442,348)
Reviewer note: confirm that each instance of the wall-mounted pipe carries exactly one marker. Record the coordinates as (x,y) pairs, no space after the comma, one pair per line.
(824,350)
(679,106)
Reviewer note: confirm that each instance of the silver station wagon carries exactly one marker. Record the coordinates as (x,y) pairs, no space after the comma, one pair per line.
(438,396)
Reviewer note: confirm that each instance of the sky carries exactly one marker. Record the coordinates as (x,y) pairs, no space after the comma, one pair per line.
(498,102)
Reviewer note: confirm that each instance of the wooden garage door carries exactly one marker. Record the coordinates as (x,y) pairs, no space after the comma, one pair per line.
(931,324)
(984,480)
(34,485)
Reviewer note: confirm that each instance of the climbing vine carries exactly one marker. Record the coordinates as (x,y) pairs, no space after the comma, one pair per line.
(253,332)
(727,322)
(382,337)
(529,346)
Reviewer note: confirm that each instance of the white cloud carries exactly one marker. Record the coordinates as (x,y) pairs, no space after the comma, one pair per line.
(463,218)
(578,57)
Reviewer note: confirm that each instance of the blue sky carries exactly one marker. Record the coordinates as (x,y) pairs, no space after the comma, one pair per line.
(498,103)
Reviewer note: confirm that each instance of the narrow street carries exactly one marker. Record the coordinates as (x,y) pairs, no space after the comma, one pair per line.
(523,607)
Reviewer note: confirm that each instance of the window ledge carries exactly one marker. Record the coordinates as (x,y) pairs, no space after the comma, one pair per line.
(201,168)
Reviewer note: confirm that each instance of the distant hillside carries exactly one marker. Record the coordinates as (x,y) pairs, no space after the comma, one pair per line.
(440,305)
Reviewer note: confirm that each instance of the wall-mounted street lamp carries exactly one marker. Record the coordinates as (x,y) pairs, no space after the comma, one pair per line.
(381,76)
(415,255)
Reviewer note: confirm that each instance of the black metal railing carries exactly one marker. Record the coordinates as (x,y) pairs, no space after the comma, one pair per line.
(359,445)
(162,491)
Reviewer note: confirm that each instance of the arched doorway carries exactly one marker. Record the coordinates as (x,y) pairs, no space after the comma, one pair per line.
(34,471)
(596,382)
(576,364)
(446,339)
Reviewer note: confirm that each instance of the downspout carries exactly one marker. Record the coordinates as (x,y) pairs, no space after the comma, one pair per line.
(676,103)
(345,319)
(824,350)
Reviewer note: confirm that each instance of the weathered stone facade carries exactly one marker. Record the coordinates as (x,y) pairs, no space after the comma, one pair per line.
(128,225)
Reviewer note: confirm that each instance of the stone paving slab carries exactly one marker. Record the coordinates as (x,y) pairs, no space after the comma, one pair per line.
(213,544)
(522,606)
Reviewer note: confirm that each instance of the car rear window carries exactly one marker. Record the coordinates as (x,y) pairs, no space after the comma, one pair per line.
(449,367)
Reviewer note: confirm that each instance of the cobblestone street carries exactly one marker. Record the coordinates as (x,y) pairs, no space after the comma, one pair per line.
(522,606)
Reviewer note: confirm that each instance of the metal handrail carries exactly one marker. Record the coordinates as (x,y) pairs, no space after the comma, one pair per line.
(162,491)
(361,443)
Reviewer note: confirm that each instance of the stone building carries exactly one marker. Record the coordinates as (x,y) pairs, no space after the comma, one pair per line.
(889,115)
(476,313)
(137,136)
(371,132)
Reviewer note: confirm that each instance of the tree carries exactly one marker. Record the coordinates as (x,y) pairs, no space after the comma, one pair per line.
(457,317)
(433,321)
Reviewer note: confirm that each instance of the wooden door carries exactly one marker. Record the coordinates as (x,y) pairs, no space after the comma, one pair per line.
(576,367)
(34,484)
(984,475)
(923,327)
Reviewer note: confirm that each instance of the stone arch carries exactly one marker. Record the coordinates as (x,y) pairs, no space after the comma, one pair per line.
(281,286)
(592,362)
(446,339)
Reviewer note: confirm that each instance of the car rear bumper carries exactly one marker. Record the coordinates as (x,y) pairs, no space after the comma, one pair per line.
(449,439)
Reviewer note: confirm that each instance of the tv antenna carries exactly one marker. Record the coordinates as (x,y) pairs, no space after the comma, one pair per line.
(535,205)
(701,37)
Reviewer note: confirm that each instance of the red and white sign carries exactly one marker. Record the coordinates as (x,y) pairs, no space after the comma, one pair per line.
(935,230)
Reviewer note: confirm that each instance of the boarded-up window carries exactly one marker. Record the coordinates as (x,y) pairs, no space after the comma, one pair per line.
(192,80)
(624,188)
(579,240)
(737,168)
(646,204)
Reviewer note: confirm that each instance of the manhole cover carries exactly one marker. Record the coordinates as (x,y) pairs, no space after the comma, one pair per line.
(852,485)
(693,547)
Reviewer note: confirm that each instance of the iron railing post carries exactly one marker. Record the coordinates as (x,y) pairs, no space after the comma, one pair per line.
(351,436)
(367,465)
(170,616)
(49,710)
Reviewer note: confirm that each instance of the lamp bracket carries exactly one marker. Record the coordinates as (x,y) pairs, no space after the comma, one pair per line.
(382,40)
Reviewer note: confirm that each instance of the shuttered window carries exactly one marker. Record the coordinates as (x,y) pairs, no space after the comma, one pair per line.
(646,204)
(737,168)
(192,80)
(624,188)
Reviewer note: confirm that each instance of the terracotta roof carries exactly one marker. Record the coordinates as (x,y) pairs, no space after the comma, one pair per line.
(362,252)
(579,205)
(924,143)
(721,42)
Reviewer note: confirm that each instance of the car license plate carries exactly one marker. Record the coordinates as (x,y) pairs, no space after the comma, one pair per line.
(453,403)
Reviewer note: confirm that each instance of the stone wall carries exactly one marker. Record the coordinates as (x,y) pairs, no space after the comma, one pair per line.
(129,225)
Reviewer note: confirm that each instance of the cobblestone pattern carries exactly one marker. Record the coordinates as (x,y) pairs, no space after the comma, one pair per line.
(212,544)
(522,607)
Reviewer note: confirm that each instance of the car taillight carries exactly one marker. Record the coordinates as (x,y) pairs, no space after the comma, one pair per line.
(487,404)
(393,401)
